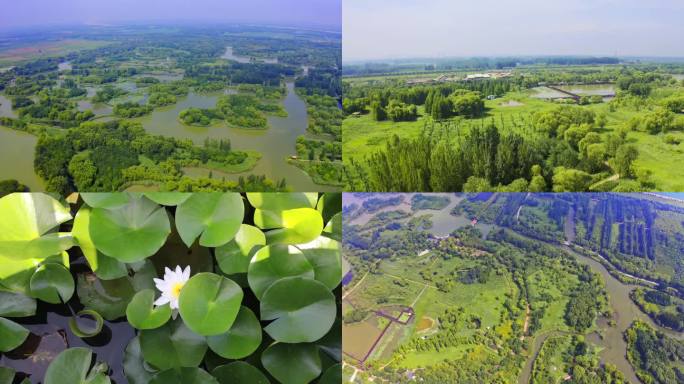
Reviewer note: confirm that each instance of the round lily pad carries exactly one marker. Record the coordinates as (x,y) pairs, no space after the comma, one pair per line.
(52,283)
(235,256)
(209,303)
(239,372)
(214,217)
(73,366)
(281,201)
(274,262)
(132,232)
(14,304)
(27,225)
(302,310)
(167,198)
(110,298)
(172,345)
(106,200)
(184,376)
(332,375)
(241,340)
(134,364)
(293,226)
(12,335)
(292,363)
(105,267)
(142,314)
(326,259)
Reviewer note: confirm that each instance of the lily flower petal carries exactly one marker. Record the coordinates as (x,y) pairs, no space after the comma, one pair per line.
(162,300)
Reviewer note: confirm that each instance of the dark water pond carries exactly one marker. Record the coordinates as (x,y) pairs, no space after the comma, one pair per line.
(50,335)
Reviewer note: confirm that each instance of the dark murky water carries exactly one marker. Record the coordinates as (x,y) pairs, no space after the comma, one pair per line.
(50,335)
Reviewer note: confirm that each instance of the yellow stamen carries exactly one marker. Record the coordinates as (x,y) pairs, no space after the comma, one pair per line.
(175,290)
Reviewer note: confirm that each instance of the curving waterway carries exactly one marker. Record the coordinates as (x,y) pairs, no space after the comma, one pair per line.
(608,337)
(275,144)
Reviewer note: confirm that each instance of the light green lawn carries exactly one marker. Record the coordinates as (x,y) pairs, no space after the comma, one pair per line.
(417,359)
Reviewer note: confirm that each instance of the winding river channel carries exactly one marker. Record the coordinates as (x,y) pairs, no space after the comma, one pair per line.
(275,144)
(608,337)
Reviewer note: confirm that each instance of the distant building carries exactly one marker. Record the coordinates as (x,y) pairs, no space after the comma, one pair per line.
(491,97)
(477,76)
(488,75)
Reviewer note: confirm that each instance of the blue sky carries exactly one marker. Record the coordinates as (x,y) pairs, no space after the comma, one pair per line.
(24,13)
(381,29)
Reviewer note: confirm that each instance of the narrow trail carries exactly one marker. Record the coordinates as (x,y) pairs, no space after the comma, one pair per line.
(353,376)
(412,281)
(354,287)
(606,180)
(419,295)
(526,324)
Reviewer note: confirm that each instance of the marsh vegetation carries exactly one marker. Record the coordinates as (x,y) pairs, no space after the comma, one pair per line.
(182,84)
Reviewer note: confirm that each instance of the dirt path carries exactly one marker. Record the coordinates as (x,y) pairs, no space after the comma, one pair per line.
(526,325)
(412,281)
(418,297)
(611,178)
(354,287)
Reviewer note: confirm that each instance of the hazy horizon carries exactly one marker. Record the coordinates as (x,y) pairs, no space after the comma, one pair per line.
(29,14)
(412,29)
(442,59)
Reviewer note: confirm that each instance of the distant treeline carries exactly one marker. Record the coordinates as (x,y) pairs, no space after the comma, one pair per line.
(422,65)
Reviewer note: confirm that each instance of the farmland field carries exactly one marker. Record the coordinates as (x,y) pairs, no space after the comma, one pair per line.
(14,55)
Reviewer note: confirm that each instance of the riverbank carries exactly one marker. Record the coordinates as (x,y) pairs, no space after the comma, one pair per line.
(609,333)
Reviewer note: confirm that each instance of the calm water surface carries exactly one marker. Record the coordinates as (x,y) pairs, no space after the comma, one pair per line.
(443,222)
(276,143)
(17,154)
(590,89)
(229,55)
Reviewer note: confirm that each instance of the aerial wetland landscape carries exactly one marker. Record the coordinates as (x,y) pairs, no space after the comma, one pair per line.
(189,107)
(545,123)
(525,288)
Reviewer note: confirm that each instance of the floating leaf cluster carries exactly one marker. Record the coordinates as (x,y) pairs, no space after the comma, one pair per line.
(261,304)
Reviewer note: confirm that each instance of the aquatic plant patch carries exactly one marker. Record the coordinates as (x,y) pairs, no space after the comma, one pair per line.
(207,287)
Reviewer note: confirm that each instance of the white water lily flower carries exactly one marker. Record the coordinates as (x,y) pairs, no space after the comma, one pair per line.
(171,286)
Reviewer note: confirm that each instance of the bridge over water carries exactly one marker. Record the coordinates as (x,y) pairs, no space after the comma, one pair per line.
(574,92)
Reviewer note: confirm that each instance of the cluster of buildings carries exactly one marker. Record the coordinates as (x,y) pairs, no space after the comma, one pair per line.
(447,79)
